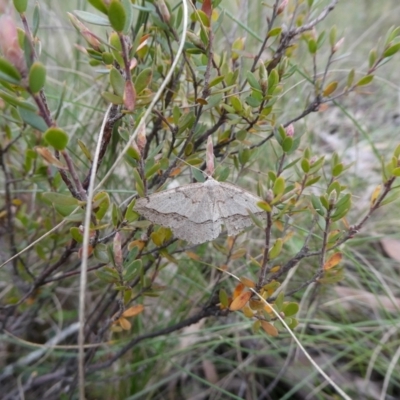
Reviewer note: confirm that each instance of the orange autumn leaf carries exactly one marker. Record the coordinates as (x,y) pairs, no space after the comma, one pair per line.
(240,301)
(132,311)
(333,261)
(176,171)
(238,290)
(269,328)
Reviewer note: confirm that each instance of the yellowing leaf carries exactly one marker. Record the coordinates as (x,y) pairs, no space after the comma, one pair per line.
(256,304)
(238,254)
(240,301)
(136,243)
(375,195)
(269,328)
(132,311)
(333,261)
(248,312)
(247,282)
(275,268)
(124,323)
(330,88)
(268,309)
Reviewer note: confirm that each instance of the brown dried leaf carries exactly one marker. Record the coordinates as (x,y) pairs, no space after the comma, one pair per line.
(269,328)
(46,154)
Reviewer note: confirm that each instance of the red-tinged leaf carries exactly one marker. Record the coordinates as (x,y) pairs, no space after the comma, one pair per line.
(238,290)
(129,96)
(333,261)
(269,328)
(207,8)
(132,311)
(240,301)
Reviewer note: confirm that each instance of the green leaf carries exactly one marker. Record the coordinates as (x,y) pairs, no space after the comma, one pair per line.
(92,18)
(333,35)
(264,206)
(290,309)
(117,82)
(390,51)
(35,20)
(215,81)
(107,276)
(276,249)
(85,150)
(279,186)
(253,82)
(101,203)
(317,205)
(337,169)
(223,298)
(56,138)
(132,270)
(99,5)
(200,16)
(138,183)
(60,199)
(130,214)
(116,216)
(287,144)
(37,77)
(32,119)
(117,15)
(312,46)
(311,181)
(236,104)
(112,98)
(274,31)
(20,5)
(143,80)
(8,72)
(365,80)
(76,234)
(127,4)
(305,165)
(101,254)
